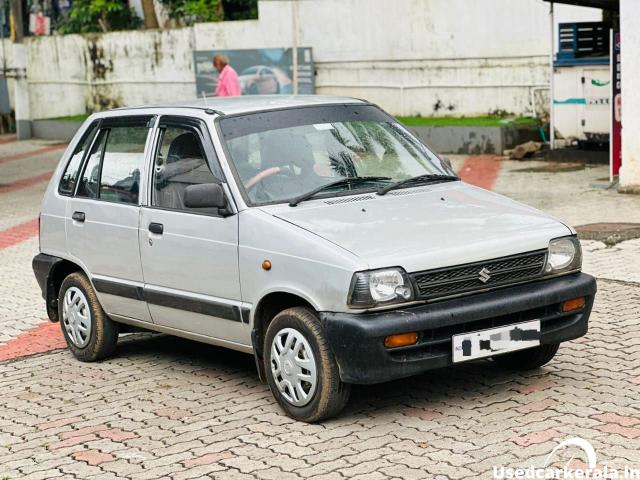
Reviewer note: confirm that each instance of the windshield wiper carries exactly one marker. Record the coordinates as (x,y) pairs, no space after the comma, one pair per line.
(349,181)
(419,180)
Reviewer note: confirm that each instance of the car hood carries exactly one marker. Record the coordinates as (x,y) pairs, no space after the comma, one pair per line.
(425,227)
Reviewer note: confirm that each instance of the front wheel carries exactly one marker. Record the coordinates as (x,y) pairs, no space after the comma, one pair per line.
(301,370)
(528,359)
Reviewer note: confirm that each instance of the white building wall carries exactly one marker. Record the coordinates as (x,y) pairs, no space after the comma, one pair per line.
(630,50)
(74,74)
(428,57)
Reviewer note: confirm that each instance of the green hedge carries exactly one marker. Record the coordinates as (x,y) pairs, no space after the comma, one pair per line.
(488,121)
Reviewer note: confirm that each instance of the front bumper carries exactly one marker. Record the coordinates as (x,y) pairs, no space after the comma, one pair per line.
(357,340)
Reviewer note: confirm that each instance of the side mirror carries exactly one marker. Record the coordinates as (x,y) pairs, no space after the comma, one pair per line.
(205,195)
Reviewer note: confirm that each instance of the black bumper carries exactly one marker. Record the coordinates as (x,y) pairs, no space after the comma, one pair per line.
(357,339)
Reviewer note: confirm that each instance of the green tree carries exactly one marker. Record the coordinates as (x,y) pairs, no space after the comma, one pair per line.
(240,9)
(88,16)
(189,12)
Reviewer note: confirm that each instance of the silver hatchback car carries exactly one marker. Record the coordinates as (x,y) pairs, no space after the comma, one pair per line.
(315,233)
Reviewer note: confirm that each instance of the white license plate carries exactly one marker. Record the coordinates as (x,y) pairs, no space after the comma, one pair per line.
(494,341)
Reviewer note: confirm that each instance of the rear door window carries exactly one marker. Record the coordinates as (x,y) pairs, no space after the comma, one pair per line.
(123,160)
(180,162)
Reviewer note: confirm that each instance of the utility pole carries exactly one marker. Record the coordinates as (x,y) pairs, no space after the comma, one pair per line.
(552,92)
(21,87)
(295,40)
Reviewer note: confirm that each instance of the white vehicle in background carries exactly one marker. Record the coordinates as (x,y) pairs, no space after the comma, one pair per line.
(315,233)
(263,80)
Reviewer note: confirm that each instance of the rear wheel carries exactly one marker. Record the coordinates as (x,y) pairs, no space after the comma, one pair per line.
(528,359)
(301,370)
(89,333)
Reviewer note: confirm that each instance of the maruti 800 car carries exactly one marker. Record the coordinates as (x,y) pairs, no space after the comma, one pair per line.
(315,233)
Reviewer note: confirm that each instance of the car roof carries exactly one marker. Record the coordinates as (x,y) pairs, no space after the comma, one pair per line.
(252,103)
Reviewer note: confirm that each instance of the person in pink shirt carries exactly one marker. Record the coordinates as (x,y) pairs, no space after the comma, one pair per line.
(228,81)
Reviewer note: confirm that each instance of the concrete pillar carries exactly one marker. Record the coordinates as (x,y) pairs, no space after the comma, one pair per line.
(630,50)
(21,92)
(19,67)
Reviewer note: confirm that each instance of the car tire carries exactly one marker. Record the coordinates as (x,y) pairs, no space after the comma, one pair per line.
(89,333)
(300,329)
(528,359)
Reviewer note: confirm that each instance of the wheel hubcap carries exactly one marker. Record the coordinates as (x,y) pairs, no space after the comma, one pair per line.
(293,367)
(76,317)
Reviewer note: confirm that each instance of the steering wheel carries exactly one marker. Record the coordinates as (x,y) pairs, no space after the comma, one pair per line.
(266,173)
(256,179)
(257,182)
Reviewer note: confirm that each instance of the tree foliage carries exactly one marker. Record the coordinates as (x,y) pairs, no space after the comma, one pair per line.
(88,16)
(240,9)
(189,12)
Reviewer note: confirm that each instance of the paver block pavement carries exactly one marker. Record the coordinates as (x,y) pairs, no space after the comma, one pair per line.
(453,422)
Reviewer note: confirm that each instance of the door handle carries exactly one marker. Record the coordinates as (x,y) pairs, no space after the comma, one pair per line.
(78,216)
(156,228)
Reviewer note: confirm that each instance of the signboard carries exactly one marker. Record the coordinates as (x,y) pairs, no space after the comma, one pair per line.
(615,142)
(39,24)
(264,71)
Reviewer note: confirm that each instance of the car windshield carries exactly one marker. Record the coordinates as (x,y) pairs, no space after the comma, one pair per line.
(282,155)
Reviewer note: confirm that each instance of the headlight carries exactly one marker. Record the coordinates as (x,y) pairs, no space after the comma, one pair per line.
(564,255)
(380,287)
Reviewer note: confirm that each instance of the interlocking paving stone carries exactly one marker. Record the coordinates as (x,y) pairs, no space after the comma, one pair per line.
(456,423)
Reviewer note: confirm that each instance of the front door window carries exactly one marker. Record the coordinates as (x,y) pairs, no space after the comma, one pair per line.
(180,162)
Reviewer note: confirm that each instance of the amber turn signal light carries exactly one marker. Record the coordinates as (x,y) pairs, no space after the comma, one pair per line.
(401,340)
(573,304)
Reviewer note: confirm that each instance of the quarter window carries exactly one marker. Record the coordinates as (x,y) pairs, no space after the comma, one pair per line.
(88,186)
(180,162)
(70,175)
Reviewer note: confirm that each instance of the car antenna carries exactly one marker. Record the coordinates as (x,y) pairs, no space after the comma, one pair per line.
(204,97)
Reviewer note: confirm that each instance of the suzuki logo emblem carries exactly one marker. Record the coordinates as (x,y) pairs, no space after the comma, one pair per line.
(483,275)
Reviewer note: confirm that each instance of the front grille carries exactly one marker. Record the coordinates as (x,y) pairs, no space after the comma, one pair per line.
(444,282)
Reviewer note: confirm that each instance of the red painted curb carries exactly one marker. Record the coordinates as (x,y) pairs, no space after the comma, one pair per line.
(40,339)
(481,171)
(33,153)
(26,182)
(18,233)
